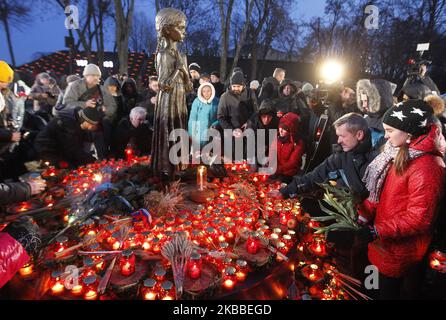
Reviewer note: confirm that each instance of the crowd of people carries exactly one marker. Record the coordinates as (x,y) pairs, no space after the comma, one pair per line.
(387,147)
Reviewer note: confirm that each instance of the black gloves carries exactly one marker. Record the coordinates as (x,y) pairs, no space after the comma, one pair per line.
(26,232)
(367,234)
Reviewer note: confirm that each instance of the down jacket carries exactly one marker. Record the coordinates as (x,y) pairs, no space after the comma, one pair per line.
(404,215)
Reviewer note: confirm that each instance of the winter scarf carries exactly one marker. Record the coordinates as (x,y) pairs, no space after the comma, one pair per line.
(376,172)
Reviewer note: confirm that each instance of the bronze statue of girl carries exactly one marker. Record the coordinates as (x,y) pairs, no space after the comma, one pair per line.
(173,75)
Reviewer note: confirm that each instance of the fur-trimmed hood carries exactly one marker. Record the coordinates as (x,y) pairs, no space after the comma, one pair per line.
(294,88)
(200,96)
(379,92)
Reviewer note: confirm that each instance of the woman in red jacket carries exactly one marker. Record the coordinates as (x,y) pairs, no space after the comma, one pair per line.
(405,183)
(290,147)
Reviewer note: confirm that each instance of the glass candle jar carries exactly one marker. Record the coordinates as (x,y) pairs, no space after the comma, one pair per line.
(194,266)
(89,228)
(89,267)
(160,274)
(156,246)
(252,244)
(242,269)
(90,288)
(56,283)
(149,291)
(27,270)
(229,278)
(113,240)
(127,263)
(167,291)
(61,243)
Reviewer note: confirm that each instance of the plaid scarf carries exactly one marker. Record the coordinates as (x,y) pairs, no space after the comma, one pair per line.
(376,172)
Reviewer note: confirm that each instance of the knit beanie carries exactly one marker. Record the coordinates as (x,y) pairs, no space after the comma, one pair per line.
(6,73)
(410,116)
(91,115)
(92,69)
(238,78)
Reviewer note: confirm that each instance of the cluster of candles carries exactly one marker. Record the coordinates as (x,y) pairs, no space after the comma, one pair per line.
(212,226)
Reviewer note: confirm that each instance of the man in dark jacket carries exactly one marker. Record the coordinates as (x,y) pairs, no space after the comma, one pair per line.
(236,105)
(218,86)
(270,85)
(149,99)
(135,131)
(267,120)
(63,139)
(130,96)
(347,166)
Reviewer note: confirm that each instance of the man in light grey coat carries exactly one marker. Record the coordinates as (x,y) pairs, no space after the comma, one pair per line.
(88,93)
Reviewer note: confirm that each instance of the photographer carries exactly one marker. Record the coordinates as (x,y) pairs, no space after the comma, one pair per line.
(44,92)
(88,93)
(422,78)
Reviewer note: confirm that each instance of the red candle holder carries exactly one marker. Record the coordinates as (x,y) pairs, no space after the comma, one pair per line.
(127,263)
(312,273)
(89,267)
(160,274)
(242,270)
(318,247)
(252,244)
(194,266)
(90,287)
(149,291)
(27,270)
(167,291)
(56,283)
(61,244)
(229,278)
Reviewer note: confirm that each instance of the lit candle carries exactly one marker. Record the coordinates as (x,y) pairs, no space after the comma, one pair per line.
(90,292)
(160,274)
(88,265)
(167,292)
(149,289)
(61,243)
(26,270)
(313,276)
(241,270)
(127,263)
(194,266)
(77,290)
(201,176)
(56,285)
(229,279)
(252,244)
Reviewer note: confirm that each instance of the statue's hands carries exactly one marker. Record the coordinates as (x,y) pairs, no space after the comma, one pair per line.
(189,86)
(166,85)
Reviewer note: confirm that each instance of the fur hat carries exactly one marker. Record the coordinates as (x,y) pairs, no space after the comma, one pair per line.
(437,104)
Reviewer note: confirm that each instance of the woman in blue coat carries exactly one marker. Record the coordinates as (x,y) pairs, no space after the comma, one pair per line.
(203,114)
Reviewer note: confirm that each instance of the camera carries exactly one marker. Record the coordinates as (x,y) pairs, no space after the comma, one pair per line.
(414,64)
(99,104)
